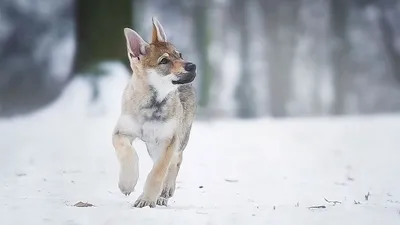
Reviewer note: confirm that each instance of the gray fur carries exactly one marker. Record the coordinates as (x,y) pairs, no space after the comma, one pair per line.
(157,121)
(188,100)
(158,107)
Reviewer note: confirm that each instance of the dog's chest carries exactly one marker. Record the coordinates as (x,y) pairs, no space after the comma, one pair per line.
(156,119)
(156,131)
(156,108)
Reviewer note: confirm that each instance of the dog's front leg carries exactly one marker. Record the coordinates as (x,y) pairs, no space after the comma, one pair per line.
(122,139)
(154,181)
(169,184)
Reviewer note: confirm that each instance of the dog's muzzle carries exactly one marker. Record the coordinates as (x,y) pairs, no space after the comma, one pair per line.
(185,78)
(190,67)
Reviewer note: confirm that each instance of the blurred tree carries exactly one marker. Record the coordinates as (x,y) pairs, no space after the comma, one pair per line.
(35,54)
(198,12)
(219,15)
(281,23)
(339,11)
(244,89)
(201,36)
(364,3)
(389,41)
(314,27)
(100,36)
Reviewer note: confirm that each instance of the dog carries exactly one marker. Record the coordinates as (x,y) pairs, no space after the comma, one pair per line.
(158,107)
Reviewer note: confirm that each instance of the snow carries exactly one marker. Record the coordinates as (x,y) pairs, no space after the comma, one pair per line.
(234,172)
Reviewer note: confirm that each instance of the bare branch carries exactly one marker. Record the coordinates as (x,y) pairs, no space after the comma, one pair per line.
(317,207)
(334,202)
(367,196)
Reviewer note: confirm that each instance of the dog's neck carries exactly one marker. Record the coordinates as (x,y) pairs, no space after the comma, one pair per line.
(161,84)
(154,84)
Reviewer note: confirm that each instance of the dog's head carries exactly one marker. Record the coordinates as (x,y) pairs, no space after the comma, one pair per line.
(159,61)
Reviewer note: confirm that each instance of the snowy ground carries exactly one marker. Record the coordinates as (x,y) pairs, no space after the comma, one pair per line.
(234,172)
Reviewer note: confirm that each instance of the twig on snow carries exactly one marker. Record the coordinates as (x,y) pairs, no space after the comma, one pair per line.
(317,207)
(334,202)
(367,196)
(231,180)
(83,204)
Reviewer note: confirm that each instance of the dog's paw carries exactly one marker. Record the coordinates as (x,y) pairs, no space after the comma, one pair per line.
(168,190)
(143,202)
(126,188)
(127,181)
(162,201)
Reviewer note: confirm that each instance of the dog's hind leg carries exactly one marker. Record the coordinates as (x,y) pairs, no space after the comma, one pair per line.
(127,157)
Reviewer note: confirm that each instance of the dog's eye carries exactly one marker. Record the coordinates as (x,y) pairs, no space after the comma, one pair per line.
(164,61)
(180,55)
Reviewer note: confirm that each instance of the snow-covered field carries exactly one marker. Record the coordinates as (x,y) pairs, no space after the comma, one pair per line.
(234,172)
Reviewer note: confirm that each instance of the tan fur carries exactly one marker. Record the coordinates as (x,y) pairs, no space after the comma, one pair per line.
(156,176)
(154,37)
(157,111)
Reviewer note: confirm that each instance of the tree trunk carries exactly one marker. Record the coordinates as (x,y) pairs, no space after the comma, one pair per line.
(389,37)
(220,28)
(100,36)
(200,31)
(340,51)
(243,90)
(280,27)
(30,78)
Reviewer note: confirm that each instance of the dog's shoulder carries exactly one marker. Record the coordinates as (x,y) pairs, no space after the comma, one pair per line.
(187,96)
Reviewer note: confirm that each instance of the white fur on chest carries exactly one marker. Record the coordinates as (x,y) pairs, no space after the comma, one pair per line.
(156,131)
(148,131)
(155,134)
(163,84)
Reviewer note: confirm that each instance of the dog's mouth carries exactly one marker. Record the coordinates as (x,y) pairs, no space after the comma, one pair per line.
(185,78)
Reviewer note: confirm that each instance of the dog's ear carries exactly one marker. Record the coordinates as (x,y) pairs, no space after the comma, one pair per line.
(135,44)
(158,32)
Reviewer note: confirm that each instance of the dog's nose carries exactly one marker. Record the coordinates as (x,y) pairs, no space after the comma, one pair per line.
(190,67)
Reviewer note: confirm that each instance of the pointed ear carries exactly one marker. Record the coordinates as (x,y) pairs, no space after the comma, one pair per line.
(158,32)
(135,44)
